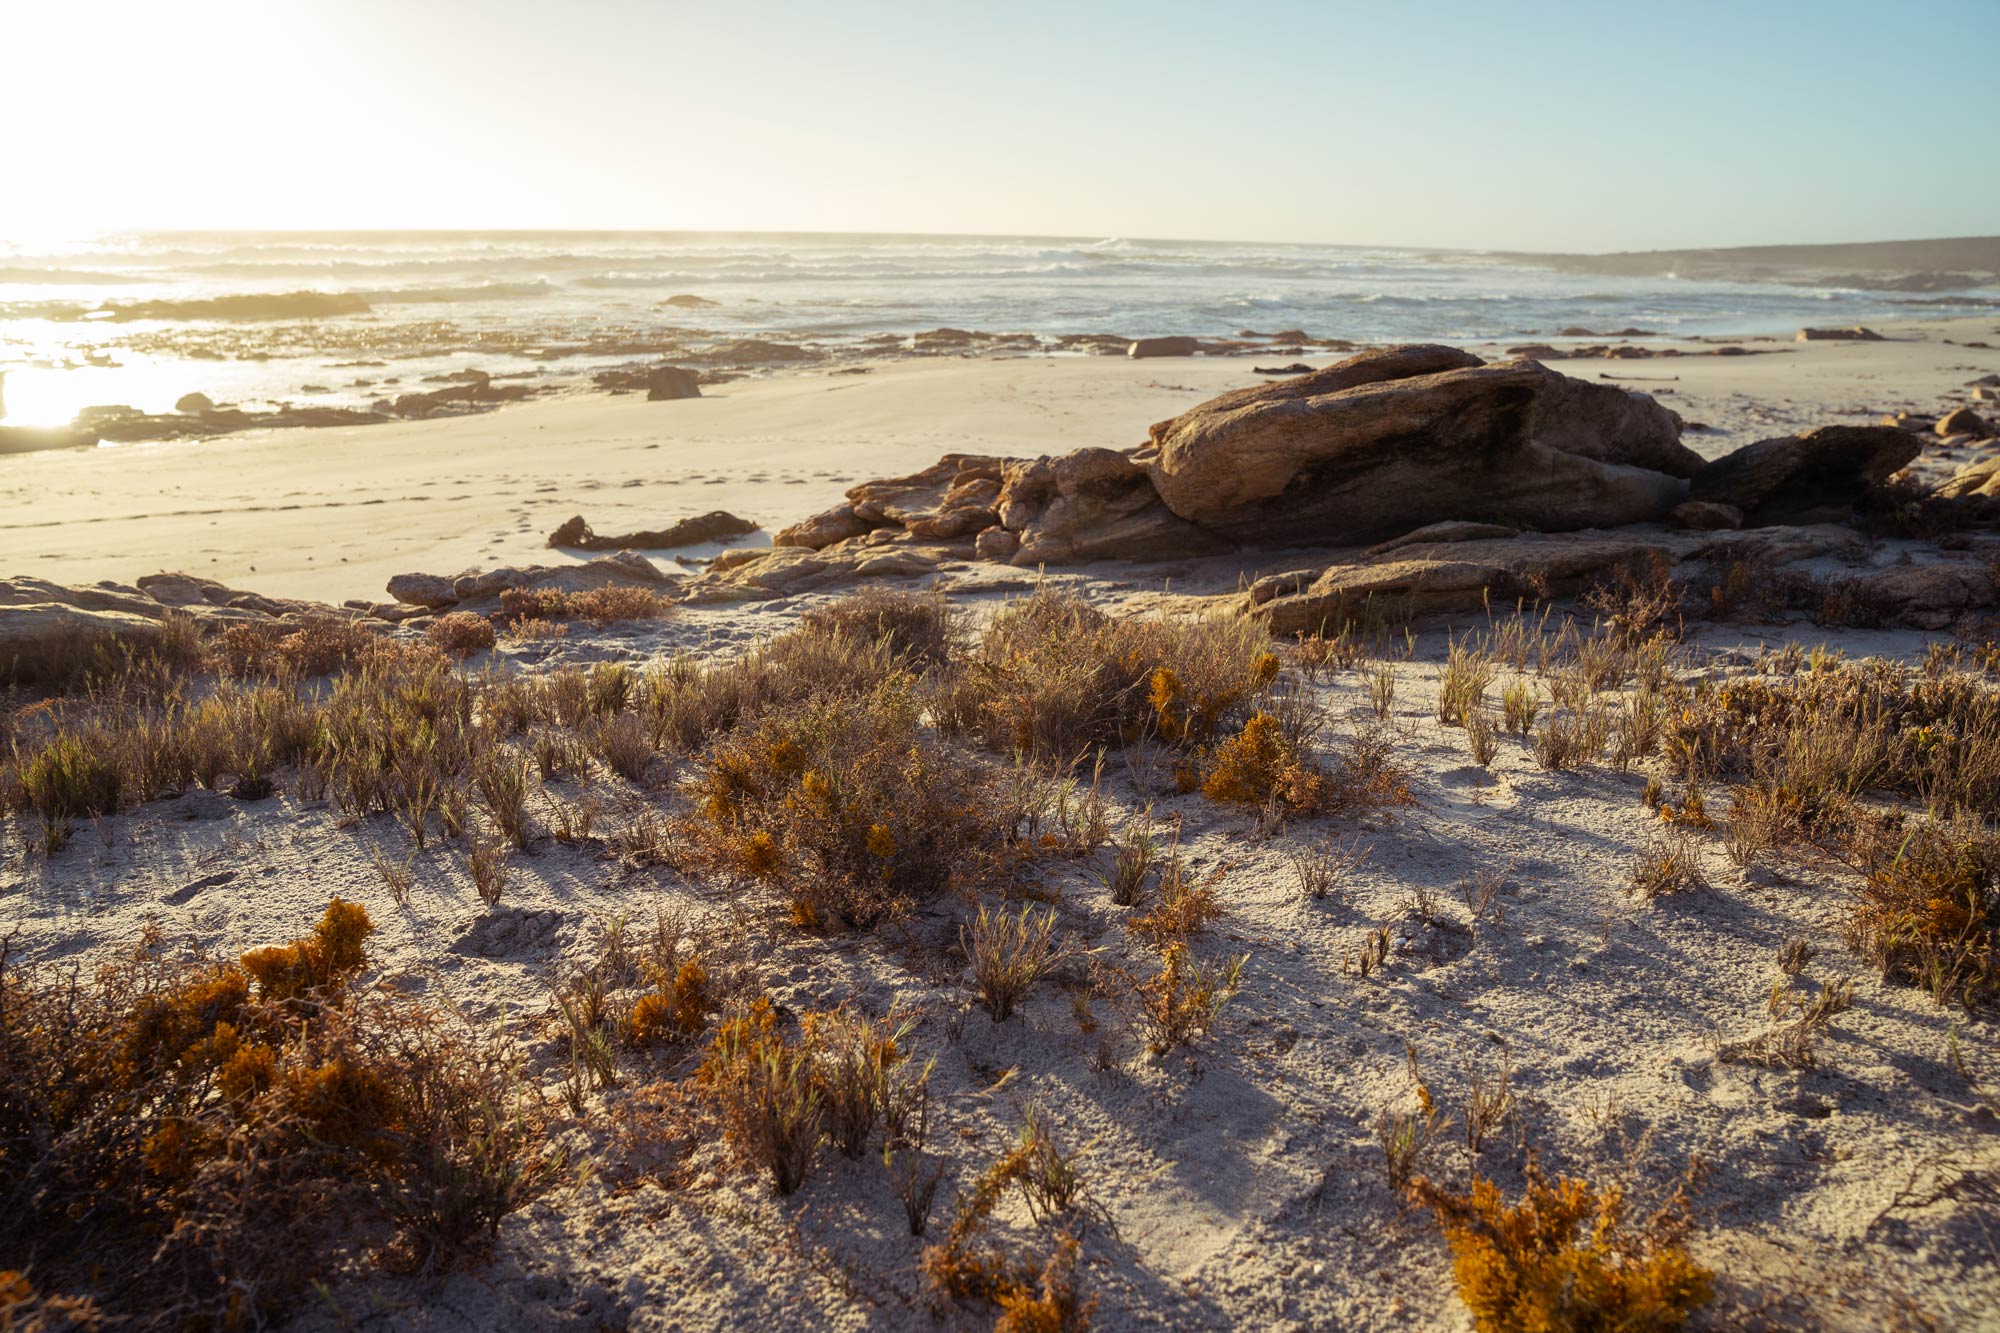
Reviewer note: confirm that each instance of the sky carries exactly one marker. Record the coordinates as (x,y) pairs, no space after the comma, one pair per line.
(1552,126)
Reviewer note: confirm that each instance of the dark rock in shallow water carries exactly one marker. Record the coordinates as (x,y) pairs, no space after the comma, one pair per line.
(194,402)
(1296,368)
(717,525)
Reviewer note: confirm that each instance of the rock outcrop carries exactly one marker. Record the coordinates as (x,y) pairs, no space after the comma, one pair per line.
(1436,577)
(1809,478)
(1392,439)
(1378,445)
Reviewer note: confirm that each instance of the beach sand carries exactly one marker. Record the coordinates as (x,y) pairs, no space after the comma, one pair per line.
(332,514)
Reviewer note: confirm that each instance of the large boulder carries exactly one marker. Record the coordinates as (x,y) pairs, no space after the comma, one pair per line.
(1093,504)
(1809,478)
(1400,437)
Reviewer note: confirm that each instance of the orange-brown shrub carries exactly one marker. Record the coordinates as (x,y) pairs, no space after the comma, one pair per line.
(193,1142)
(600,606)
(848,806)
(460,634)
(1565,1258)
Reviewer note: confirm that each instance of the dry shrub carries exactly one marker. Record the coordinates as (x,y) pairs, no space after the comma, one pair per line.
(1930,909)
(687,704)
(1258,766)
(460,634)
(1054,676)
(780,1098)
(675,1008)
(1462,685)
(1792,1044)
(1643,604)
(1565,1257)
(915,626)
(1183,907)
(1184,1000)
(322,645)
(970,1265)
(600,606)
(848,806)
(195,1143)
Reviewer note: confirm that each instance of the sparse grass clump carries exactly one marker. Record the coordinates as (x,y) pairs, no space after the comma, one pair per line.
(1009,955)
(1671,865)
(68,780)
(1565,1257)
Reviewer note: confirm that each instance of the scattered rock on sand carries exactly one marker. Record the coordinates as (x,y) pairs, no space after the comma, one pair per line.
(666,383)
(428,590)
(1855,334)
(1962,421)
(31,439)
(1296,368)
(714,526)
(689,301)
(1145,347)
(1814,477)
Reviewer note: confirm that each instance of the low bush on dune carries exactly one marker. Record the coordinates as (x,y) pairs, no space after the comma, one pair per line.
(847,806)
(1053,676)
(600,606)
(194,1143)
(1566,1257)
(460,634)
(916,626)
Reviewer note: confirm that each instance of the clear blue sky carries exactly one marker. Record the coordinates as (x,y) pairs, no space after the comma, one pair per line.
(1547,126)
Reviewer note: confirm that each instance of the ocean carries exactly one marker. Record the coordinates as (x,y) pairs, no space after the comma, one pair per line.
(342,319)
